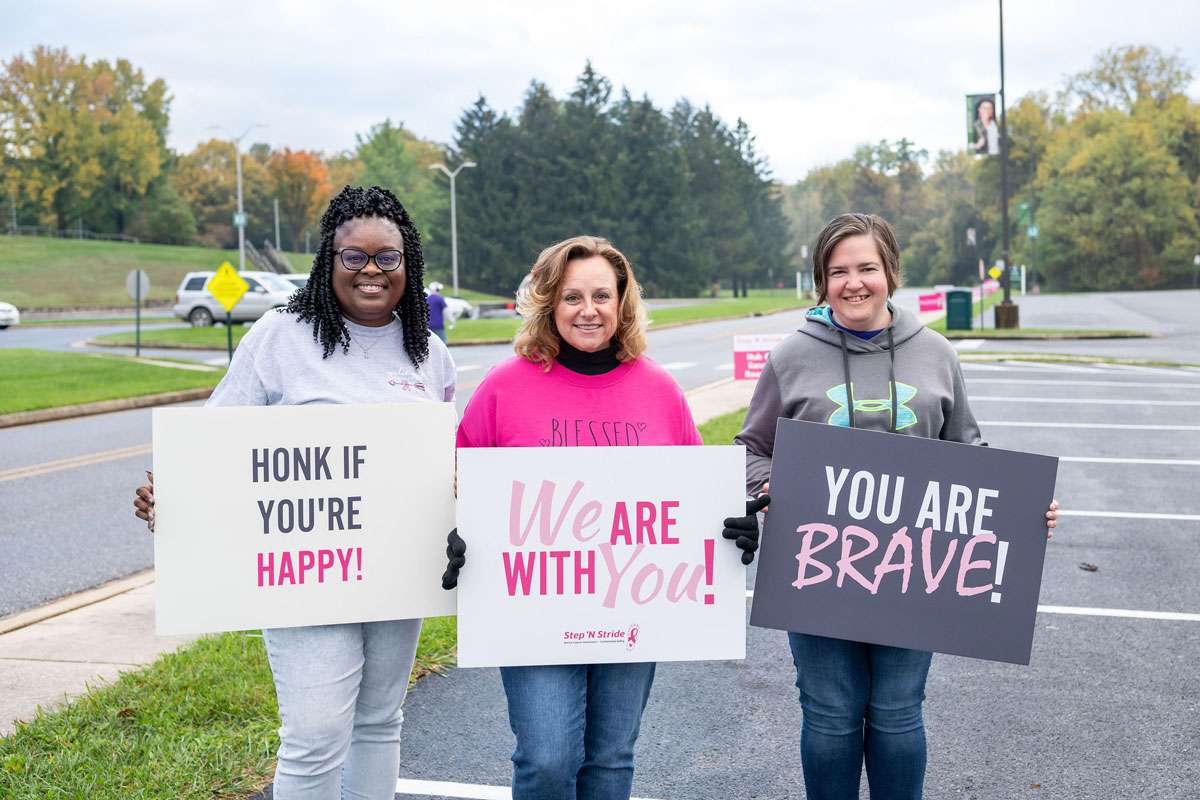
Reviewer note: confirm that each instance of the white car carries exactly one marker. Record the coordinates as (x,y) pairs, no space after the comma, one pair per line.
(9,315)
(194,303)
(298,279)
(456,307)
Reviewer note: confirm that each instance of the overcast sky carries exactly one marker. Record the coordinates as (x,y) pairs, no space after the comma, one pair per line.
(811,79)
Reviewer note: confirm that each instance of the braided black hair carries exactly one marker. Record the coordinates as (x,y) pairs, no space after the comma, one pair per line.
(316,302)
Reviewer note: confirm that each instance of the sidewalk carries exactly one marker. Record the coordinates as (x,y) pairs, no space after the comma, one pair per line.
(55,652)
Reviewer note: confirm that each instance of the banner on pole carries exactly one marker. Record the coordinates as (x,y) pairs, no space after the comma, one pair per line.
(280,516)
(904,541)
(599,554)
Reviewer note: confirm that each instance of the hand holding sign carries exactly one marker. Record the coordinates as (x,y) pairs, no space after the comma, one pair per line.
(744,530)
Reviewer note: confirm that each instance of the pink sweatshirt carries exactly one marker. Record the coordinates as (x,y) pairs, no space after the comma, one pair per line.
(519,404)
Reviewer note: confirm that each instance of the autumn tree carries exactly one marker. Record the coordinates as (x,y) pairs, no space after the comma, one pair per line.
(80,142)
(300,183)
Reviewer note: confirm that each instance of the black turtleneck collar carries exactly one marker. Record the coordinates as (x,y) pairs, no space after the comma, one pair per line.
(596,363)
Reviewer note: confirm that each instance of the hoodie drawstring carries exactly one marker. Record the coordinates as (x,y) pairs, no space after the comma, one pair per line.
(849,385)
(891,378)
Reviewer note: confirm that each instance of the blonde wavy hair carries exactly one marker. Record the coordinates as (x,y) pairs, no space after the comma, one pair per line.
(538,339)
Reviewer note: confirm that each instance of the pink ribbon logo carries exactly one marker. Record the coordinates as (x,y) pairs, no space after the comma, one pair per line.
(631,639)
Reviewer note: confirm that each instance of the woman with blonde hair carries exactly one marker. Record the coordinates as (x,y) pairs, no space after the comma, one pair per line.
(579,379)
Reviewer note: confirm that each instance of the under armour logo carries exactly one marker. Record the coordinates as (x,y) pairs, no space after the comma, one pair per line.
(905,417)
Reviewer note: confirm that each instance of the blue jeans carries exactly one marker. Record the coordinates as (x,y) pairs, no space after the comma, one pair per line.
(440,333)
(575,725)
(340,688)
(860,701)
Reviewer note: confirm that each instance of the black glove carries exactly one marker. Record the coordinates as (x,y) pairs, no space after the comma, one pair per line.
(456,553)
(744,530)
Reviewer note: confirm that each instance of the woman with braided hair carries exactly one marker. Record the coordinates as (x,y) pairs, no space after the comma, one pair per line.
(356,333)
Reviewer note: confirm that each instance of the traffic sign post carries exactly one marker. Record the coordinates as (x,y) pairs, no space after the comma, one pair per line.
(227,287)
(137,283)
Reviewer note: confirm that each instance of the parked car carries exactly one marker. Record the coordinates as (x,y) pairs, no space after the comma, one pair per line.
(456,307)
(297,279)
(194,303)
(9,315)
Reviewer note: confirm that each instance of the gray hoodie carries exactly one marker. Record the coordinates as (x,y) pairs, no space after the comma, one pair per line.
(906,379)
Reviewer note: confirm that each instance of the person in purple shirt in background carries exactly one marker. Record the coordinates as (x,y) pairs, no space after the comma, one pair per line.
(437,311)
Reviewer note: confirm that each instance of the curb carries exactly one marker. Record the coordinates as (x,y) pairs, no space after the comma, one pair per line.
(76,601)
(1067,358)
(101,407)
(1053,337)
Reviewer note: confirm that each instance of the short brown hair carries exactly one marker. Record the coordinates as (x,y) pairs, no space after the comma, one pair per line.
(843,227)
(538,339)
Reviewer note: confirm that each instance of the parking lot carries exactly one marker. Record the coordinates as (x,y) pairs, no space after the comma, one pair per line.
(1107,709)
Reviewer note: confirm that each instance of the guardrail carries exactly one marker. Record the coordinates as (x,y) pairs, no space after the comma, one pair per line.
(75,233)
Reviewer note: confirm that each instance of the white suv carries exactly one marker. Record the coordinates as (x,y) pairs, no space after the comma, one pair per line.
(194,303)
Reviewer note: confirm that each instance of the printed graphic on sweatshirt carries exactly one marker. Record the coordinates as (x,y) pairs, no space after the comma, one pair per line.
(583,432)
(407,381)
(905,416)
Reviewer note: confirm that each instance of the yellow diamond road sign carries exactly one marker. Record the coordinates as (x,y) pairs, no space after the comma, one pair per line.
(227,286)
(995,272)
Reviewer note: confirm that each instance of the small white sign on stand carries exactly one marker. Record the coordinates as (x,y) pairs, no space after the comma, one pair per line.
(588,555)
(750,351)
(280,516)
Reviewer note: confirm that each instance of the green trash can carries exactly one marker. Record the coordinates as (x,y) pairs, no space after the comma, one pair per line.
(958,310)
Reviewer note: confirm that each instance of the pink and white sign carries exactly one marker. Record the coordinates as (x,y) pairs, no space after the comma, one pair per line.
(270,517)
(935,301)
(750,353)
(599,554)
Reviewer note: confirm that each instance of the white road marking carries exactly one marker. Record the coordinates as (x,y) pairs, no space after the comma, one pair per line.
(967,344)
(1164,462)
(1130,515)
(1176,616)
(1180,616)
(468,367)
(975,365)
(1098,401)
(45,468)
(723,367)
(1051,382)
(177,364)
(463,791)
(1106,426)
(675,366)
(1057,367)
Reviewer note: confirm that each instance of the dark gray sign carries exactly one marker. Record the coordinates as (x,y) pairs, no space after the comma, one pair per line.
(898,540)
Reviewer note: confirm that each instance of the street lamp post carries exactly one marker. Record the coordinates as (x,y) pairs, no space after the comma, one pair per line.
(1006,312)
(453,217)
(239,218)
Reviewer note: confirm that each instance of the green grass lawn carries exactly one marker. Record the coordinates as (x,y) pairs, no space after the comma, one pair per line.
(32,270)
(36,379)
(198,723)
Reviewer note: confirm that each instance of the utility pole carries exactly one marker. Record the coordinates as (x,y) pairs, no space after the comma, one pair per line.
(239,219)
(277,223)
(1006,312)
(453,217)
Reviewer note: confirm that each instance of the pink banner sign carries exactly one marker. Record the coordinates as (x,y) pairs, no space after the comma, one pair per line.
(935,301)
(750,353)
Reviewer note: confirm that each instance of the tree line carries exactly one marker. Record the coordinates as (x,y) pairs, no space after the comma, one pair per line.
(1106,171)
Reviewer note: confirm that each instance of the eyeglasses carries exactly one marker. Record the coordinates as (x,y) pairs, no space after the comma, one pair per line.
(354,259)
